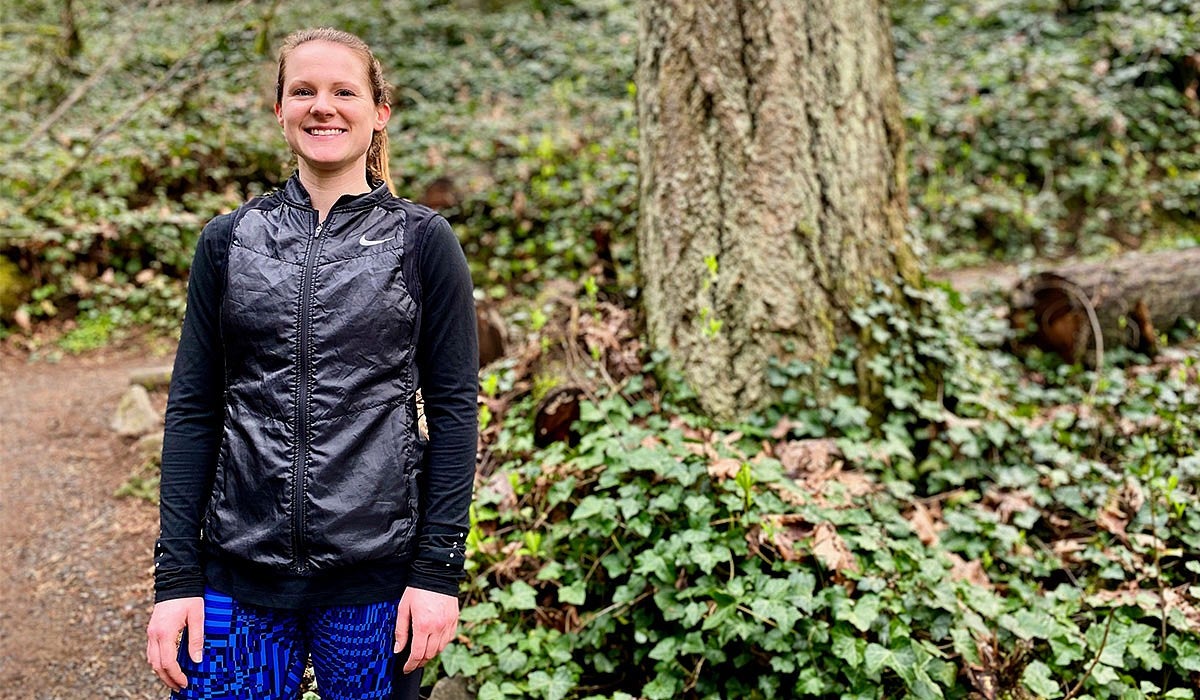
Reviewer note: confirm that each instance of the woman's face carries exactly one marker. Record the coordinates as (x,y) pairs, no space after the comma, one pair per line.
(328,114)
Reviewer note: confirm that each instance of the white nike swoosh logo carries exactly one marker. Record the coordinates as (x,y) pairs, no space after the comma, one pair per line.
(366,241)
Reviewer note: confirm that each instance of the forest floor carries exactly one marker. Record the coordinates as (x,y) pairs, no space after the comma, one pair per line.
(75,560)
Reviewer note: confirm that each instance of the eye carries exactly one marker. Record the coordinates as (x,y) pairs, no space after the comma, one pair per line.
(344,92)
(302,92)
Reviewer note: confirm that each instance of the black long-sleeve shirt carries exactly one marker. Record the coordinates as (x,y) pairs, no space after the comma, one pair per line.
(447,362)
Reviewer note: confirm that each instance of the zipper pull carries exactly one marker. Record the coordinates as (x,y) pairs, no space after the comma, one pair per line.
(317,230)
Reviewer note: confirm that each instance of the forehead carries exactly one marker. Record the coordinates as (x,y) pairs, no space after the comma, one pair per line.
(325,60)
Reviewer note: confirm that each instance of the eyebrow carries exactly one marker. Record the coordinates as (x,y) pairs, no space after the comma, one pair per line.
(337,83)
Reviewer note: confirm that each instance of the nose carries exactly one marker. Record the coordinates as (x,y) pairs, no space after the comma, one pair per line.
(321,105)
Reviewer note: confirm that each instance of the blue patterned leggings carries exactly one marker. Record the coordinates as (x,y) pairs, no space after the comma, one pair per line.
(255,653)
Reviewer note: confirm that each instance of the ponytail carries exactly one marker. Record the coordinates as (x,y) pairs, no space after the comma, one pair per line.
(377,160)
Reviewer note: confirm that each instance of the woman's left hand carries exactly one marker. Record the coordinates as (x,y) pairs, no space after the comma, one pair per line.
(433,619)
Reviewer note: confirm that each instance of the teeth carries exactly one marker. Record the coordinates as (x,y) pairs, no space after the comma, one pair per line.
(324,132)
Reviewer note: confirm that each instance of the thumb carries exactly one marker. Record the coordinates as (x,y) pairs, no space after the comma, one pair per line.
(402,622)
(195,625)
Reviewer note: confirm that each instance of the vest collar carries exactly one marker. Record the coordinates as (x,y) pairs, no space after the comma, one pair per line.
(295,194)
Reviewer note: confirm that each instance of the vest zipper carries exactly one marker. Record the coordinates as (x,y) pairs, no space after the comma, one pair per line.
(298,490)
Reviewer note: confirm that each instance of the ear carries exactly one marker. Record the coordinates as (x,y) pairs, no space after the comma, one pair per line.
(382,113)
(279,113)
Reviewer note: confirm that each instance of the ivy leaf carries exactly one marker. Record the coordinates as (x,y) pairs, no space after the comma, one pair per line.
(875,658)
(574,594)
(1037,678)
(845,648)
(479,612)
(707,558)
(663,687)
(592,506)
(457,660)
(554,687)
(864,612)
(518,596)
(510,662)
(1028,624)
(923,686)
(490,691)
(964,644)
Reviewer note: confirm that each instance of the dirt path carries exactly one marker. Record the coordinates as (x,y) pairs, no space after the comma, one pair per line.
(75,561)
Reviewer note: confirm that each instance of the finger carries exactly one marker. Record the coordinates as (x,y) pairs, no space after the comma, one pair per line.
(402,620)
(172,669)
(166,667)
(195,625)
(416,653)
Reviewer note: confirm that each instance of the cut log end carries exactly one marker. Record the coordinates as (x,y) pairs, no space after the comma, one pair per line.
(1079,310)
(556,413)
(1066,320)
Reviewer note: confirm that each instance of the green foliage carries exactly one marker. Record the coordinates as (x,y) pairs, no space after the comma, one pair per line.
(142,482)
(1035,127)
(1040,531)
(1043,127)
(528,114)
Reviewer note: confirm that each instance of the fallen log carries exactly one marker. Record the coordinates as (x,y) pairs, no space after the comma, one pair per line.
(1080,309)
(491,332)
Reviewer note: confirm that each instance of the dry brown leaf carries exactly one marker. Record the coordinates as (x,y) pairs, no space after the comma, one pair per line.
(724,468)
(782,428)
(1111,519)
(1149,543)
(831,550)
(926,522)
(807,456)
(1152,602)
(781,532)
(1007,503)
(508,569)
(501,486)
(1177,601)
(1067,549)
(856,483)
(971,572)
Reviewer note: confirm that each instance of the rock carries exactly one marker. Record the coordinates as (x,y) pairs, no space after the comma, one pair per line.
(149,446)
(451,688)
(152,377)
(135,415)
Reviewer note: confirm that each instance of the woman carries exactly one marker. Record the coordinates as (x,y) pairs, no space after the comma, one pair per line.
(302,511)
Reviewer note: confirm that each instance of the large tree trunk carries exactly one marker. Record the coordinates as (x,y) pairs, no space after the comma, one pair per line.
(772,182)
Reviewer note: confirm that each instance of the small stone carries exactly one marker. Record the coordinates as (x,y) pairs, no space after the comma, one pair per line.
(135,415)
(451,688)
(21,318)
(152,377)
(149,446)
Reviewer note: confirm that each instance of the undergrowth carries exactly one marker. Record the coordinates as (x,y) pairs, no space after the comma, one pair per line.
(1022,531)
(1035,128)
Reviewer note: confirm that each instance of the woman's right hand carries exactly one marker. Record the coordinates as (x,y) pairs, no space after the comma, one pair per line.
(167,623)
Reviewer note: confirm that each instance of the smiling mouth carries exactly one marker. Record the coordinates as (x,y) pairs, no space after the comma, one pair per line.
(324,131)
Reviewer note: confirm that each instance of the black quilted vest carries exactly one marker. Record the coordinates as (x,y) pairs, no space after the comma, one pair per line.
(319,459)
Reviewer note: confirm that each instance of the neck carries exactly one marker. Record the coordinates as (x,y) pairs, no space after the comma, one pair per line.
(326,188)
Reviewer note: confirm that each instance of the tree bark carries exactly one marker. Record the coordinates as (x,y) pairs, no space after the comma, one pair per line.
(772,183)
(1131,299)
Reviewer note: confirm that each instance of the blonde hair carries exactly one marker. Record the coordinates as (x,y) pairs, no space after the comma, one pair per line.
(377,153)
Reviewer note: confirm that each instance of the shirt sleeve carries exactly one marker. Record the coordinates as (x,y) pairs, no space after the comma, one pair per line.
(192,431)
(448,365)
